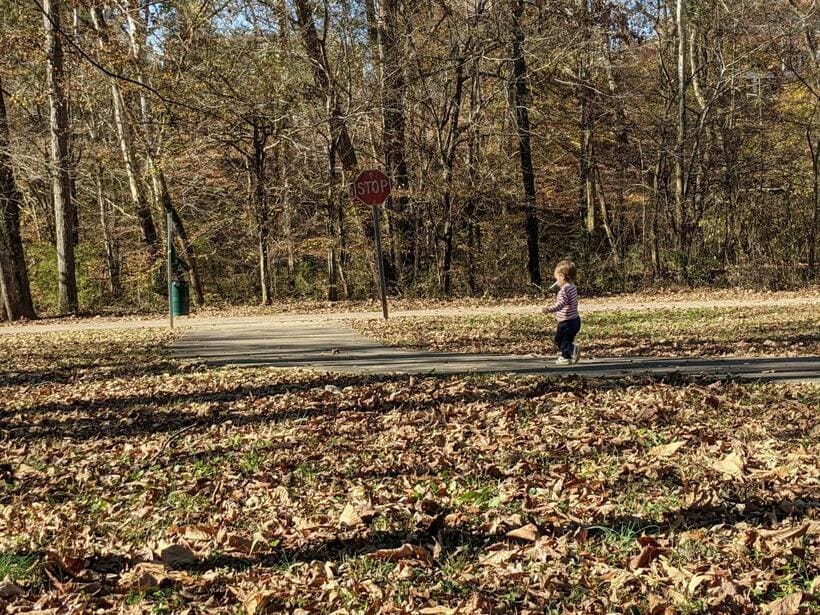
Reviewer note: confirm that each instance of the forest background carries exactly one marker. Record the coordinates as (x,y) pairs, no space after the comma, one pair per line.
(652,142)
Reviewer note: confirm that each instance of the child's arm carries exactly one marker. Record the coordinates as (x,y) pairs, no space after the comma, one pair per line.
(561,301)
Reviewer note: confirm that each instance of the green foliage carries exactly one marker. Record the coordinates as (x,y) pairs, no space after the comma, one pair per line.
(92,281)
(16,567)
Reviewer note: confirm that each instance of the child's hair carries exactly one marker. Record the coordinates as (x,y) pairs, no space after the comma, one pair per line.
(567,269)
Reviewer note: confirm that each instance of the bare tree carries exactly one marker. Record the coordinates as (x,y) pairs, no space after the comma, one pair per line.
(14,282)
(137,33)
(60,159)
(522,121)
(130,159)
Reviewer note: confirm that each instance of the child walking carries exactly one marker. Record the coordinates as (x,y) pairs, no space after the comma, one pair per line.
(565,309)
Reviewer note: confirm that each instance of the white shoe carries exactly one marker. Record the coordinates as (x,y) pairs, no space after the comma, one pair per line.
(576,353)
(563,361)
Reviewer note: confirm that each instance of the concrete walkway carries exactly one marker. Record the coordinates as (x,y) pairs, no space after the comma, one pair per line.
(331,346)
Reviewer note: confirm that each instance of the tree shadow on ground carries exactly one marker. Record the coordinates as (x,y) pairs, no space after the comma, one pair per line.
(165,412)
(133,415)
(755,512)
(90,371)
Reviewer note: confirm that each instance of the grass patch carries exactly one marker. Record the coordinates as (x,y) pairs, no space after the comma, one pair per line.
(17,567)
(747,331)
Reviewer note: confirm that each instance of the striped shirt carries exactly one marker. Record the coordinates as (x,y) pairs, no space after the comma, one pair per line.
(566,303)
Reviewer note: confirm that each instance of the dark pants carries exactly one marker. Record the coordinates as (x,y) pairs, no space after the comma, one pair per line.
(565,335)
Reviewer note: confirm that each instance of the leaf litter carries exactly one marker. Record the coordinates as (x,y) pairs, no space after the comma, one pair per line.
(137,483)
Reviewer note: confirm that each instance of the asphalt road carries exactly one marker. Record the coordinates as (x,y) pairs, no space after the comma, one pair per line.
(334,347)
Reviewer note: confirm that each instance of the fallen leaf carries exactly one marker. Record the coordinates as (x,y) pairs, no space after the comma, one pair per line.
(788,605)
(67,565)
(694,582)
(785,533)
(177,555)
(260,602)
(649,551)
(198,533)
(406,551)
(143,577)
(732,465)
(10,590)
(350,517)
(667,450)
(235,542)
(527,532)
(498,557)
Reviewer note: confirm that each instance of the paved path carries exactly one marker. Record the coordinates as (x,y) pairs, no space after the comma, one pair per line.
(331,346)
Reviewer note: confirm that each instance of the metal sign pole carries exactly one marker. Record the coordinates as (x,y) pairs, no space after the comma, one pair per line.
(372,187)
(170,225)
(380,258)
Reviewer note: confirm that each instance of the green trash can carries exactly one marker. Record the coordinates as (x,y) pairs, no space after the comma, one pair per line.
(180,301)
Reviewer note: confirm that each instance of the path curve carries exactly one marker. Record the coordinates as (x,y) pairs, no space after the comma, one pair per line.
(334,347)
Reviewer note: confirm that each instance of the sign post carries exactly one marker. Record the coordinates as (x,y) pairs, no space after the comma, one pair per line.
(170,224)
(372,188)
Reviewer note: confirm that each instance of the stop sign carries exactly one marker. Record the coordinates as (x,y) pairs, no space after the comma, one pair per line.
(371,187)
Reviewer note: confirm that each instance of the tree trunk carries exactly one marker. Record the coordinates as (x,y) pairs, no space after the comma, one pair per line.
(473,229)
(814,150)
(112,249)
(448,249)
(324,81)
(137,29)
(60,160)
(680,141)
(14,282)
(586,184)
(394,88)
(332,253)
(604,211)
(522,117)
(148,230)
(448,160)
(262,212)
(341,145)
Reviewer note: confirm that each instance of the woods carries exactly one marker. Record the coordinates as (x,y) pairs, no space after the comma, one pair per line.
(671,141)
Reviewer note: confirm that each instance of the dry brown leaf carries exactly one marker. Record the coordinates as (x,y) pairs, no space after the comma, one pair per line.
(527,532)
(497,557)
(10,590)
(281,494)
(403,571)
(784,533)
(260,602)
(176,555)
(667,450)
(649,551)
(143,577)
(733,465)
(788,605)
(406,551)
(695,582)
(67,565)
(350,517)
(198,533)
(235,542)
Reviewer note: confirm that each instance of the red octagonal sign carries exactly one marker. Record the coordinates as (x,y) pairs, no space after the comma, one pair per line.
(371,187)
